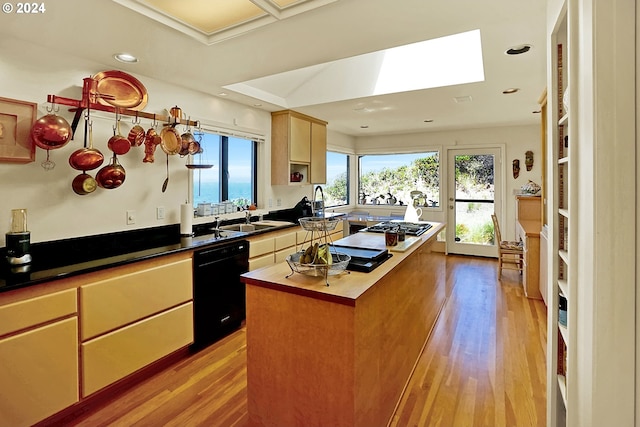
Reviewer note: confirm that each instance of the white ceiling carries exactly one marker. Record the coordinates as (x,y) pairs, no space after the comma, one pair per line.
(97,29)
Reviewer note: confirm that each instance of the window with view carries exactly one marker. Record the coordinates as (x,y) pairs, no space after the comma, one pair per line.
(399,179)
(233,175)
(336,190)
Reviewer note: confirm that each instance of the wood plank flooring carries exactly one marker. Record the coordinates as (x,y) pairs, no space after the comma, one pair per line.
(484,365)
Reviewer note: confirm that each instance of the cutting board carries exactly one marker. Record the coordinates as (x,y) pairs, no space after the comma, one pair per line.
(403,246)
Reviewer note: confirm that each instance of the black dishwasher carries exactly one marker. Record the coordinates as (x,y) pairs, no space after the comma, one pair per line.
(218,293)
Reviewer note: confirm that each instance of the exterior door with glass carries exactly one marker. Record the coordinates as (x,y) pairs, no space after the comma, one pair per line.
(474,187)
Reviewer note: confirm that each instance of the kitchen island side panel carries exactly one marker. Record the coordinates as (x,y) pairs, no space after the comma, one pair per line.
(300,355)
(393,322)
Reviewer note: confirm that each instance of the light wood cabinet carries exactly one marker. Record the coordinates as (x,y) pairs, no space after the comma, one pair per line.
(113,356)
(133,317)
(261,250)
(318,171)
(528,208)
(111,303)
(528,227)
(33,311)
(298,145)
(299,140)
(274,247)
(38,367)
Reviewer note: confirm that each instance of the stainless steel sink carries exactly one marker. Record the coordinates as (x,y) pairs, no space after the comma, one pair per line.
(246,227)
(231,233)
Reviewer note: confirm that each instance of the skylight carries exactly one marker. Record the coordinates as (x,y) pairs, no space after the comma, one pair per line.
(445,61)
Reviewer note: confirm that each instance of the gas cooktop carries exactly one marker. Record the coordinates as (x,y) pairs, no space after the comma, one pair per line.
(410,228)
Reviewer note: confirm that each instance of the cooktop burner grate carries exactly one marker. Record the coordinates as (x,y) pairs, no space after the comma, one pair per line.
(411,228)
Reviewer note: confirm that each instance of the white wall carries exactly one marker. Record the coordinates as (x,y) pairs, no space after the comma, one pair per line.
(516,140)
(54,210)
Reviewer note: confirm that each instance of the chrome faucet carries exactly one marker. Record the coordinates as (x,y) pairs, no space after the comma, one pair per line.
(216,230)
(247,217)
(317,206)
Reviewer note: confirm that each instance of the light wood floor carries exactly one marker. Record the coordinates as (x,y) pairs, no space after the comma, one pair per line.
(484,365)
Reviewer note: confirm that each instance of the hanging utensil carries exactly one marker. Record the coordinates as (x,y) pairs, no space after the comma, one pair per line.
(166,181)
(151,142)
(136,135)
(188,142)
(84,184)
(118,143)
(87,158)
(51,131)
(171,140)
(48,164)
(112,175)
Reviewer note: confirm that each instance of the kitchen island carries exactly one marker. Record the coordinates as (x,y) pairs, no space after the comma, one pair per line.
(340,355)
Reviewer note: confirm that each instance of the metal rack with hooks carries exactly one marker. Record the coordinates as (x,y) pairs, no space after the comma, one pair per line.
(89,100)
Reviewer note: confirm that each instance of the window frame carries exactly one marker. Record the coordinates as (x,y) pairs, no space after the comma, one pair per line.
(223,171)
(422,150)
(348,175)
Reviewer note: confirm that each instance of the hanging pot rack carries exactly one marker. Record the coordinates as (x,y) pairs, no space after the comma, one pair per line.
(89,100)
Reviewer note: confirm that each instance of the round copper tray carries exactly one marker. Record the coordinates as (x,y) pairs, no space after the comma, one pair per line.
(171,142)
(119,89)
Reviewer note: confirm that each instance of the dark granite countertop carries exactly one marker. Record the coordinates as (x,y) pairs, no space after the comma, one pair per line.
(71,257)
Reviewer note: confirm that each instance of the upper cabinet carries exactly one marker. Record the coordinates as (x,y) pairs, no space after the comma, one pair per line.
(298,149)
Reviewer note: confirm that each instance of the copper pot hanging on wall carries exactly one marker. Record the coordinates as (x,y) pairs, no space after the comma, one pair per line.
(51,131)
(111,176)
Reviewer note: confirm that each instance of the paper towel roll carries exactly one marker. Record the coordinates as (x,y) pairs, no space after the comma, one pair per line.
(186,219)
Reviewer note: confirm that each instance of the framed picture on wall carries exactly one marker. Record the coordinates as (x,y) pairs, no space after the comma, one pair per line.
(16,119)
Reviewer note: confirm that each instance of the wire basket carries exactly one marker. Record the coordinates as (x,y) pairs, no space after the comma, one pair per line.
(338,265)
(319,223)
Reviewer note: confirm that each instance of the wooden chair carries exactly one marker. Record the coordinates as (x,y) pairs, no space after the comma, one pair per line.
(510,254)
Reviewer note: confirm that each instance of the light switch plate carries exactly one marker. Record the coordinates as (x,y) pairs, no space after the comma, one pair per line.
(131,217)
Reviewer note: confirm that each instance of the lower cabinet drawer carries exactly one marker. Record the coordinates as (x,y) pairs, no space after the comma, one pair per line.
(282,255)
(261,261)
(113,356)
(31,312)
(285,241)
(259,247)
(112,303)
(38,373)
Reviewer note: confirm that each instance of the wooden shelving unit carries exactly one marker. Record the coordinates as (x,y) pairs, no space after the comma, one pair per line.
(561,333)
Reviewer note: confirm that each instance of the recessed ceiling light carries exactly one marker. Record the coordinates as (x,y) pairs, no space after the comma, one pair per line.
(364,127)
(536,112)
(429,121)
(257,105)
(223,94)
(518,50)
(127,58)
(510,90)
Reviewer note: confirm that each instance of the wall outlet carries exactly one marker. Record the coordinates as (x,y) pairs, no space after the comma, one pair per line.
(131,217)
(279,202)
(270,203)
(160,212)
